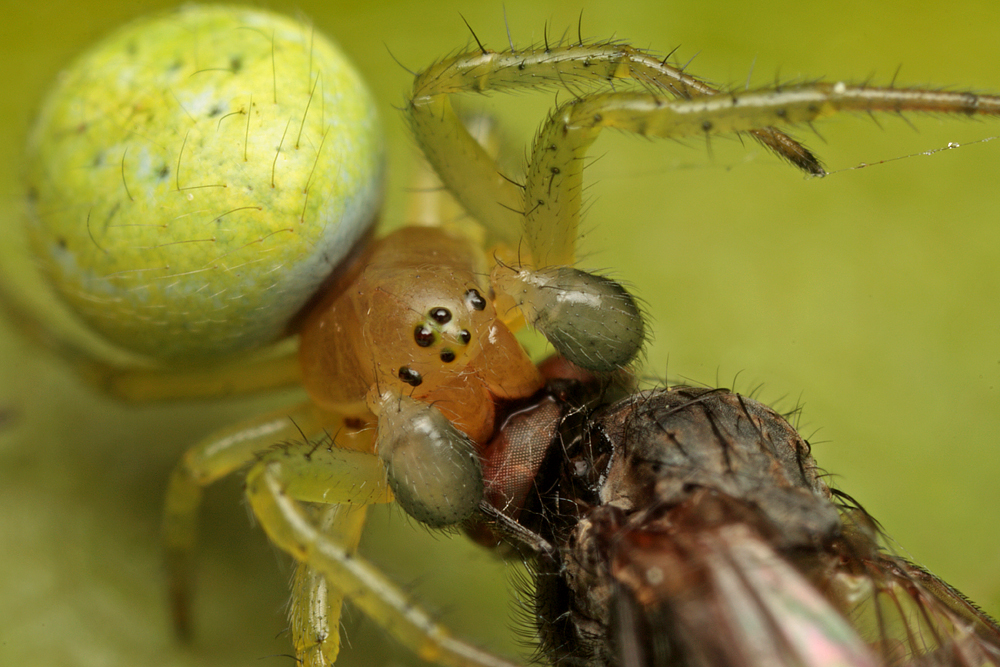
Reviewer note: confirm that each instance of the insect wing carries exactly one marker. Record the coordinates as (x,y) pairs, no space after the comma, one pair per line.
(907,614)
(720,595)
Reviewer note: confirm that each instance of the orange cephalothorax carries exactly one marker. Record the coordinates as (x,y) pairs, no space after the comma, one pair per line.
(416,321)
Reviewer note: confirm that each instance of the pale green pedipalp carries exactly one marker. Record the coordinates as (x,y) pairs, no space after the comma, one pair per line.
(194,177)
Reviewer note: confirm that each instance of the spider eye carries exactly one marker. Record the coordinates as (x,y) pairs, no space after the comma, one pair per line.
(465,336)
(475,299)
(447,356)
(440,315)
(423,336)
(410,376)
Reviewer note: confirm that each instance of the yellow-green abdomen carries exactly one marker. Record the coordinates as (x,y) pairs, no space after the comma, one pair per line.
(194,177)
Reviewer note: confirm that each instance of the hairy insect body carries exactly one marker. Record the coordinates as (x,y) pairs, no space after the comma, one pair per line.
(692,527)
(702,480)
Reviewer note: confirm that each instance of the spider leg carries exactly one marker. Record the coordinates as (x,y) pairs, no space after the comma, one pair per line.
(553,188)
(466,168)
(591,320)
(219,455)
(276,487)
(314,611)
(471,173)
(120,376)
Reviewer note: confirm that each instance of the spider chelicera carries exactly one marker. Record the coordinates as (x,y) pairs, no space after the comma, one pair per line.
(222,197)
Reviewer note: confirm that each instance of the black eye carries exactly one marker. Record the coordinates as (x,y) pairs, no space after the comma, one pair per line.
(465,336)
(423,336)
(440,315)
(475,299)
(447,356)
(410,376)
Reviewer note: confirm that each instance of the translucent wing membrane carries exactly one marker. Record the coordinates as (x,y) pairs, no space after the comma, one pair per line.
(907,615)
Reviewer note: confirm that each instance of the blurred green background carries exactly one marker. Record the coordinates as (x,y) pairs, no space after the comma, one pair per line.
(869,298)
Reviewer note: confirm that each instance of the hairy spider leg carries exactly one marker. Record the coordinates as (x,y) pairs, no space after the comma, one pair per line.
(275,488)
(344,465)
(124,380)
(217,456)
(591,320)
(550,200)
(285,488)
(552,190)
(314,610)
(470,173)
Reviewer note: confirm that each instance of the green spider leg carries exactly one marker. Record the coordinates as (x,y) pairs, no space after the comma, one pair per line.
(276,488)
(314,611)
(309,496)
(255,374)
(213,458)
(501,205)
(138,380)
(591,320)
(552,190)
(547,208)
